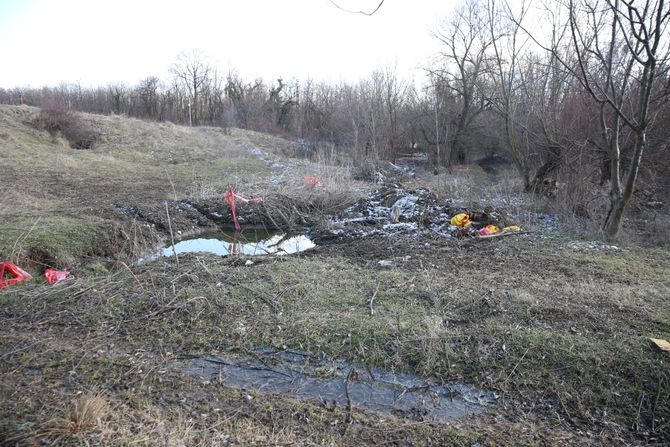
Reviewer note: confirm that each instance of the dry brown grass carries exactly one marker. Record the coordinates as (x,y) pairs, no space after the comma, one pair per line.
(86,415)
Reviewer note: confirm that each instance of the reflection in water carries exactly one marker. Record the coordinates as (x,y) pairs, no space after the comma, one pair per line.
(247,243)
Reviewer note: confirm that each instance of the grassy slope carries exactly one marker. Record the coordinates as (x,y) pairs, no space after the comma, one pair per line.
(54,193)
(559,334)
(59,201)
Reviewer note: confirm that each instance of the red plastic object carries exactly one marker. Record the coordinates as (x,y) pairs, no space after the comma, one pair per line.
(18,274)
(231,195)
(54,276)
(313,182)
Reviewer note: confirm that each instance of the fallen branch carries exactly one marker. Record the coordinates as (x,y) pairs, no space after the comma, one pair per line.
(504,233)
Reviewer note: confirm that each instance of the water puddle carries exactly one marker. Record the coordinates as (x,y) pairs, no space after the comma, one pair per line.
(340,383)
(249,243)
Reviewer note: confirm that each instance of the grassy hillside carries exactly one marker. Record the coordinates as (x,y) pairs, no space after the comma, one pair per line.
(59,204)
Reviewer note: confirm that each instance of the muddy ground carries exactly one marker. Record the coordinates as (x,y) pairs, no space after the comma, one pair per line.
(554,329)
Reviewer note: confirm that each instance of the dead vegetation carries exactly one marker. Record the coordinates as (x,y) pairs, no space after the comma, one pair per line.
(564,344)
(61,121)
(556,328)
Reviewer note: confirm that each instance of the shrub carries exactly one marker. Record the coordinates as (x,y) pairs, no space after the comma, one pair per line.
(69,124)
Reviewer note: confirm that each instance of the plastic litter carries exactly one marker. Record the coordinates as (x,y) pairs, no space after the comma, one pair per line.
(312,182)
(230,197)
(461,220)
(488,230)
(53,276)
(18,275)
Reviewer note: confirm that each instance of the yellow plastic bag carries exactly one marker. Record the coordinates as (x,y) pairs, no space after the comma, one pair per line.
(461,220)
(512,228)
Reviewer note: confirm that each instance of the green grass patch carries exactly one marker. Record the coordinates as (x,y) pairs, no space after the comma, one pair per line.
(58,241)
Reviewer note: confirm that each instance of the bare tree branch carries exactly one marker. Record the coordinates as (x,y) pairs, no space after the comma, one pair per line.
(358,12)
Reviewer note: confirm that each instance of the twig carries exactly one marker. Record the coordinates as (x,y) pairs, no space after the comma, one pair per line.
(131,272)
(265,367)
(501,234)
(174,191)
(23,236)
(7,356)
(204,266)
(268,367)
(270,301)
(517,365)
(653,412)
(348,395)
(639,410)
(371,301)
(174,250)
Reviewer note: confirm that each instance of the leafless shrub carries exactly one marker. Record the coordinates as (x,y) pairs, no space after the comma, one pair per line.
(365,172)
(56,120)
(294,208)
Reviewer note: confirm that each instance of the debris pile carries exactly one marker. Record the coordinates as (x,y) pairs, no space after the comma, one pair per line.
(392,209)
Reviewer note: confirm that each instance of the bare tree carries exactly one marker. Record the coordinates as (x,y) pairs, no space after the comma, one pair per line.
(147,90)
(118,94)
(504,26)
(466,65)
(193,72)
(620,46)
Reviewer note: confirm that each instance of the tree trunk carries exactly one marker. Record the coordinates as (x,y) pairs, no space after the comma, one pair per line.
(618,200)
(457,154)
(542,181)
(613,220)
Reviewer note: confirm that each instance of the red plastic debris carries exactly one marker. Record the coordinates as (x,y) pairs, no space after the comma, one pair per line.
(54,276)
(231,195)
(18,274)
(312,182)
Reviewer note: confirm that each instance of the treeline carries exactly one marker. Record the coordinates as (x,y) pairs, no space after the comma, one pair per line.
(581,102)
(377,118)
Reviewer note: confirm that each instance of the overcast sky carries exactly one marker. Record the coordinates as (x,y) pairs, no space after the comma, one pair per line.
(97,42)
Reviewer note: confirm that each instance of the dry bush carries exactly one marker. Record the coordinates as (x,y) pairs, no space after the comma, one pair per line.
(302,206)
(297,203)
(56,119)
(85,415)
(366,171)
